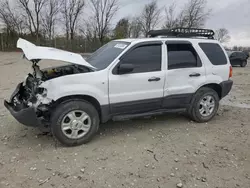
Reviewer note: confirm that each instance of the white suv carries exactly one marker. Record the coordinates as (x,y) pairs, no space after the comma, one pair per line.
(123,79)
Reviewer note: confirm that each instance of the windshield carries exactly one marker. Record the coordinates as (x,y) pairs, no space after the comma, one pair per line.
(105,55)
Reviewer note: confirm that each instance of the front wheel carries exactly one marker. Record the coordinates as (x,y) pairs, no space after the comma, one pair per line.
(205,105)
(75,122)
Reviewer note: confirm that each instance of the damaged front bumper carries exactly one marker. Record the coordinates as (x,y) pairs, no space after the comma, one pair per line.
(24,114)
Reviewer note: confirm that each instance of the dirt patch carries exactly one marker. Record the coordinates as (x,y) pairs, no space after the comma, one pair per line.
(161,151)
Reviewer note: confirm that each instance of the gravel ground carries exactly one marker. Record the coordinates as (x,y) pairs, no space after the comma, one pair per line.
(158,152)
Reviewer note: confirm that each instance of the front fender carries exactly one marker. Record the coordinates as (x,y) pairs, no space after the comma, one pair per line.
(78,89)
(59,88)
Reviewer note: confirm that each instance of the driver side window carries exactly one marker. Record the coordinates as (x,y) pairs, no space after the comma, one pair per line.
(146,58)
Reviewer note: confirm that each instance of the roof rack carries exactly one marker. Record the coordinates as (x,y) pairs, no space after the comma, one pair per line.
(183,32)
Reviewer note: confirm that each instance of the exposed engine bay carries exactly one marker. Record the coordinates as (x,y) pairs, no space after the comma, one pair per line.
(29,95)
(55,72)
(31,89)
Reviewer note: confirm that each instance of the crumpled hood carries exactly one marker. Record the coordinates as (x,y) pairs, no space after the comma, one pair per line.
(32,52)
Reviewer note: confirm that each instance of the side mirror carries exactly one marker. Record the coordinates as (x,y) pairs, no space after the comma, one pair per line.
(125,68)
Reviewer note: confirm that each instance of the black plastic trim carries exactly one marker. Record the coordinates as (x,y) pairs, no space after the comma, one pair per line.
(226,87)
(124,110)
(177,101)
(105,113)
(178,42)
(151,113)
(26,116)
(136,106)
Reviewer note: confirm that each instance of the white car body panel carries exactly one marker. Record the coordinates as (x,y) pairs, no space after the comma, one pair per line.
(216,74)
(134,87)
(32,52)
(94,84)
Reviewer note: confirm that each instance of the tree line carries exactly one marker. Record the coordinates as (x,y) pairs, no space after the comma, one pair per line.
(64,24)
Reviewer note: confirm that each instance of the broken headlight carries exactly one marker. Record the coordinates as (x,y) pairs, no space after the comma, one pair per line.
(42,91)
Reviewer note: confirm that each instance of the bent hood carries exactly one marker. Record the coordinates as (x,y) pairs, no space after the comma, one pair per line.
(32,52)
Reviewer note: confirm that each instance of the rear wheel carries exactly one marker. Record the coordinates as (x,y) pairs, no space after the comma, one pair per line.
(244,63)
(75,122)
(205,105)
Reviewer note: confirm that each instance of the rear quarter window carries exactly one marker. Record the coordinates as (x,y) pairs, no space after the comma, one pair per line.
(214,53)
(242,55)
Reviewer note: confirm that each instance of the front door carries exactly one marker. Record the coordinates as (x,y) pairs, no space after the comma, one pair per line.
(140,90)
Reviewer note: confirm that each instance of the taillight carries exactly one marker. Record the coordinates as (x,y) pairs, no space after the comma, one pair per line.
(230,71)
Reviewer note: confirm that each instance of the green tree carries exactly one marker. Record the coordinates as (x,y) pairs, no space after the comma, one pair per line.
(122,29)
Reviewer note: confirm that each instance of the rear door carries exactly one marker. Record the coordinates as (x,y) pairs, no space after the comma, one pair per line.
(184,76)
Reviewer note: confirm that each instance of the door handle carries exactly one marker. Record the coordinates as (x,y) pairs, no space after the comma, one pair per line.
(154,79)
(195,75)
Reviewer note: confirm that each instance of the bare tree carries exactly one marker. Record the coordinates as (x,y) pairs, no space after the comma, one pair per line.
(65,17)
(89,33)
(13,21)
(135,28)
(171,19)
(149,18)
(103,13)
(71,11)
(222,35)
(88,30)
(49,17)
(33,9)
(195,13)
(182,19)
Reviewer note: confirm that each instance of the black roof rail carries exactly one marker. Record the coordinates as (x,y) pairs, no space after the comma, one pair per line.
(183,32)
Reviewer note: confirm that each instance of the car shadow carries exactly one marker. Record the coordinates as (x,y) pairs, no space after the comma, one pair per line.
(33,137)
(159,122)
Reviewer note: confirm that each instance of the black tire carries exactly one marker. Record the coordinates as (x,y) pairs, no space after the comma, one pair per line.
(244,63)
(66,107)
(194,112)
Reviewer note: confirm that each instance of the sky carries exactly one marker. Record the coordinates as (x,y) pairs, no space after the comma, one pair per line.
(233,15)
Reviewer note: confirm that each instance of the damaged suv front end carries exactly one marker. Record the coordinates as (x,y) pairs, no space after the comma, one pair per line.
(29,103)
(25,106)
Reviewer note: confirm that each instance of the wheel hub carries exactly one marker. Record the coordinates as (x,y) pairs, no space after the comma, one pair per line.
(76,124)
(207,105)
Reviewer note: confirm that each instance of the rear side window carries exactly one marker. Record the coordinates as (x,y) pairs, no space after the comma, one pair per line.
(145,58)
(214,53)
(234,54)
(242,55)
(182,56)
